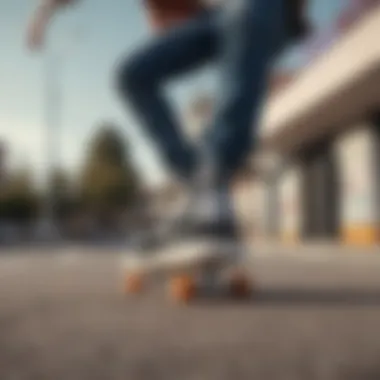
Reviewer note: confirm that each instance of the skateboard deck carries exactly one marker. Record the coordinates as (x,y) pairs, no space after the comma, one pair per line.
(190,269)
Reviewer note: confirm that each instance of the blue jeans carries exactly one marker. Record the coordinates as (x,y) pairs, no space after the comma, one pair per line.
(243,39)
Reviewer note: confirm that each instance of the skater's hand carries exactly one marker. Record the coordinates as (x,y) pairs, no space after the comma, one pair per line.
(164,14)
(40,20)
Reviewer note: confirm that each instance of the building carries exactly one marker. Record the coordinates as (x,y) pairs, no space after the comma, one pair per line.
(325,126)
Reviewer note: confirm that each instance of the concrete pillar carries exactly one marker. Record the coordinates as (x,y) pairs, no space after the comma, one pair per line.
(245,205)
(259,209)
(290,205)
(359,170)
(271,205)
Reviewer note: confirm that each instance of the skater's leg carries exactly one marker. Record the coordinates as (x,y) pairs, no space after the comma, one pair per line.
(252,33)
(143,76)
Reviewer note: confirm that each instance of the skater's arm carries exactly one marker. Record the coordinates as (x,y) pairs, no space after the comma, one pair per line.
(164,14)
(40,20)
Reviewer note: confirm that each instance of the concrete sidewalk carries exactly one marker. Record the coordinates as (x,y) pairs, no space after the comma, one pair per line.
(310,251)
(322,248)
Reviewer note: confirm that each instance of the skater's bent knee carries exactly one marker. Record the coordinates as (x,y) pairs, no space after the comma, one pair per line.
(127,77)
(132,76)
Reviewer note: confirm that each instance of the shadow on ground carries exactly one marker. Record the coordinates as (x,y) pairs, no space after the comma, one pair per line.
(297,297)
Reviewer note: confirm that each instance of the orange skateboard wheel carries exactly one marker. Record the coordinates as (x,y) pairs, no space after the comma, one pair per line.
(182,288)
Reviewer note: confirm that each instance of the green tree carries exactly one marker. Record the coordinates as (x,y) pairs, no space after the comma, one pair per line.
(19,199)
(108,182)
(60,183)
(61,191)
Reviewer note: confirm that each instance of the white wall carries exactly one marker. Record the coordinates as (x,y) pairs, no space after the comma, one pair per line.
(290,204)
(246,203)
(359,208)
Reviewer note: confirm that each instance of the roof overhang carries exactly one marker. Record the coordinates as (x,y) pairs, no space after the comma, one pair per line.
(337,89)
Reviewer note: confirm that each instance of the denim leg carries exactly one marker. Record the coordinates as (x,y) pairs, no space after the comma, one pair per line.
(142,77)
(251,33)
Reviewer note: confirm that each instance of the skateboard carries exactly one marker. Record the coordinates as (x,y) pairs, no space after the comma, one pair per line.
(190,270)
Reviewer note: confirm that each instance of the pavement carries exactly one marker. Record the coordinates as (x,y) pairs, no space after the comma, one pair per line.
(63,315)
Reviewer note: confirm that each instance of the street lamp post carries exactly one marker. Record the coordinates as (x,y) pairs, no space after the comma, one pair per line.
(53,106)
(52,126)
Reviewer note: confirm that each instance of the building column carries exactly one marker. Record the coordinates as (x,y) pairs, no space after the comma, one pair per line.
(359,209)
(259,209)
(245,199)
(271,206)
(290,206)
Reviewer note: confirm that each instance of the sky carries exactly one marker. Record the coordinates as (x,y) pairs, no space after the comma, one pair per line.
(87,42)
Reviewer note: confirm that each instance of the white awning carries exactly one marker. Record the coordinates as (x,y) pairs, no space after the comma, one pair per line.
(338,87)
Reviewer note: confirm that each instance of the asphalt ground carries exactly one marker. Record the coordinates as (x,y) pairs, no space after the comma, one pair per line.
(63,315)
